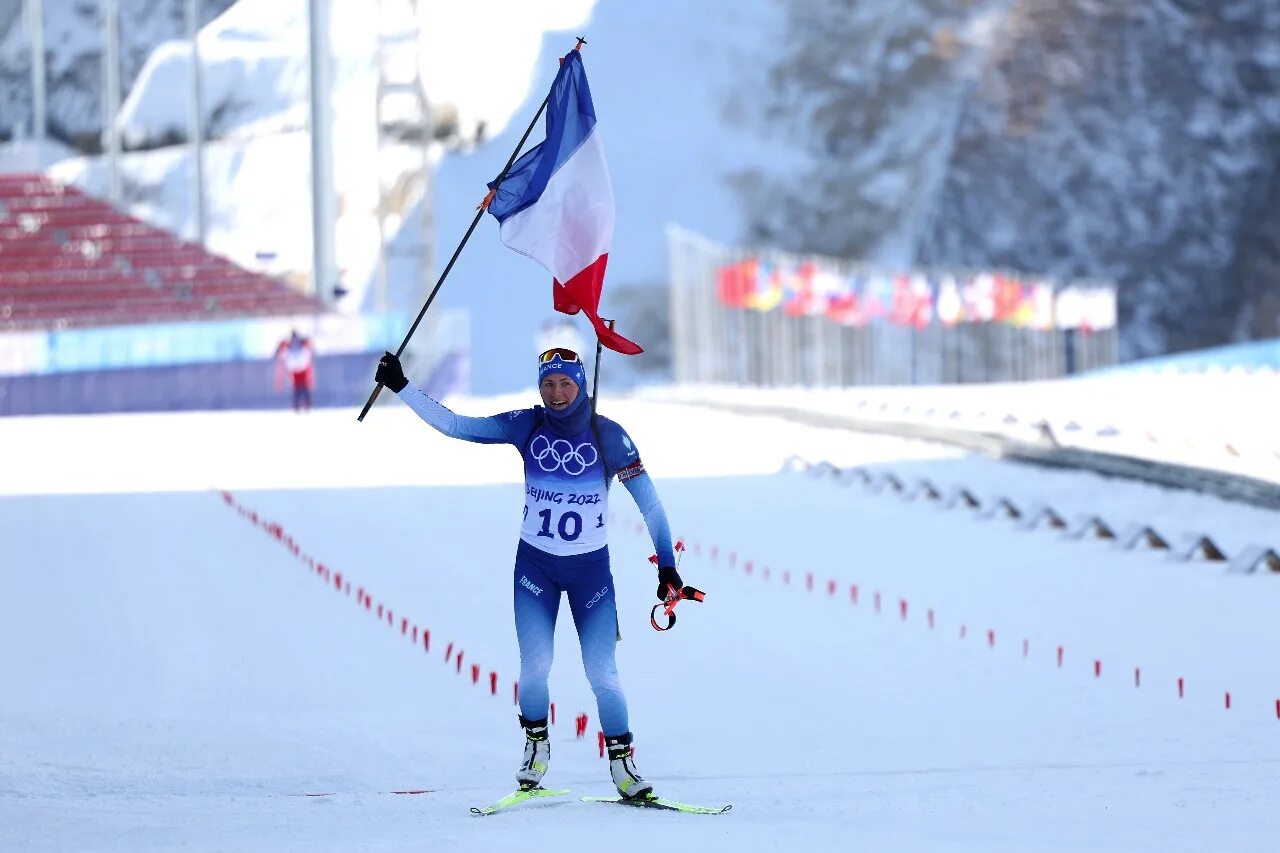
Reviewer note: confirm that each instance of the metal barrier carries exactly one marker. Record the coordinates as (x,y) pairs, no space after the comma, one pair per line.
(216,365)
(824,322)
(1199,548)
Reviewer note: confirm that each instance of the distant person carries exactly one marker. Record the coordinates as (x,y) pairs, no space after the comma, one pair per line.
(295,357)
(570,458)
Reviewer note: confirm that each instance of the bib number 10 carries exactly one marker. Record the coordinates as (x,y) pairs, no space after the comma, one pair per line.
(569,526)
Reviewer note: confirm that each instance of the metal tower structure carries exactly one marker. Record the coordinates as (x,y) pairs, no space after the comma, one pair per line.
(404,134)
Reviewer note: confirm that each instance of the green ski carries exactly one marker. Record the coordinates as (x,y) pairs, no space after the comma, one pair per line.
(652,802)
(518,797)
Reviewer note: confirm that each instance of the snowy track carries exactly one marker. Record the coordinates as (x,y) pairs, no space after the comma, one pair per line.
(179,677)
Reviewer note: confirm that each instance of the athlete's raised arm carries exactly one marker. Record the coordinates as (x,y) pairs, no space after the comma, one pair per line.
(496,429)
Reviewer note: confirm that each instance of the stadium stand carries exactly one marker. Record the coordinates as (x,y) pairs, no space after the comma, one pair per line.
(68,259)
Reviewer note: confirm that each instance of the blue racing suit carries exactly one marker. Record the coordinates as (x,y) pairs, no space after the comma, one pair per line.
(570,458)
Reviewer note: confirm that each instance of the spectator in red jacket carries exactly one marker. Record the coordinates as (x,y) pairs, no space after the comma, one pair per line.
(295,357)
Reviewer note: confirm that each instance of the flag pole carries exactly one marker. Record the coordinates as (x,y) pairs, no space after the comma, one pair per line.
(480,211)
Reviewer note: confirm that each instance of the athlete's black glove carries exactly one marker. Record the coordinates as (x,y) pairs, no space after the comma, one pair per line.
(668,575)
(390,374)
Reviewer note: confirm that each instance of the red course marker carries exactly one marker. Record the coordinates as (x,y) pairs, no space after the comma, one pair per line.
(344,585)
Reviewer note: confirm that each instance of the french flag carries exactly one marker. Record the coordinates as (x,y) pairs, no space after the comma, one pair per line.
(555,205)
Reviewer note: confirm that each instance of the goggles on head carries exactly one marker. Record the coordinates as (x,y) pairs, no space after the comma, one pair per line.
(560,353)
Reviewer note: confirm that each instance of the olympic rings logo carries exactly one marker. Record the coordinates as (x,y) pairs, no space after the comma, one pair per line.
(561,455)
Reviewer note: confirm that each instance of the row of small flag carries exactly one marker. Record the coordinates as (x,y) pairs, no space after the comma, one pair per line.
(807,288)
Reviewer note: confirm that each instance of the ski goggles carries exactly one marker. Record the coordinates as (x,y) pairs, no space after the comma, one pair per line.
(561,360)
(559,354)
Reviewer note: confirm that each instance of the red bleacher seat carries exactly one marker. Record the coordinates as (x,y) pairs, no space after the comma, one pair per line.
(69,259)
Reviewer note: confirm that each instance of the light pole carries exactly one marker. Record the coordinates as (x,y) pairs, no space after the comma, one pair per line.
(195,120)
(324,266)
(111,93)
(35,24)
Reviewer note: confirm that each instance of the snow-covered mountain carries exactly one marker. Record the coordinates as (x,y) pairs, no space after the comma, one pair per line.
(871,93)
(73,49)
(1135,141)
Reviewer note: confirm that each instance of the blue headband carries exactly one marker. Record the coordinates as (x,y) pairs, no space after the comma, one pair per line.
(575,370)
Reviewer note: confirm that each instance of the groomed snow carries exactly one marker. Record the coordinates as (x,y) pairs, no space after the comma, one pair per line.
(177,677)
(1218,419)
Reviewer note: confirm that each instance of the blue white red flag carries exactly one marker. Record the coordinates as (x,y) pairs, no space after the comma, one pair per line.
(556,203)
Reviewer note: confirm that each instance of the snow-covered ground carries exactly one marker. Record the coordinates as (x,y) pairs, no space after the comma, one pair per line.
(1224,420)
(176,676)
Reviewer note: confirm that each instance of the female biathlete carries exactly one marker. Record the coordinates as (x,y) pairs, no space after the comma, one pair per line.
(570,457)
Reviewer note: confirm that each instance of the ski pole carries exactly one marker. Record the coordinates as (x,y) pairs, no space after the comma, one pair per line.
(595,384)
(480,211)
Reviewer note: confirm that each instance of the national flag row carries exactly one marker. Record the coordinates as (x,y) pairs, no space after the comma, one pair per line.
(920,298)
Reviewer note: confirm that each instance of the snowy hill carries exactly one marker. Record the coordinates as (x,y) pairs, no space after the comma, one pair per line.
(1133,142)
(1136,142)
(74,47)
